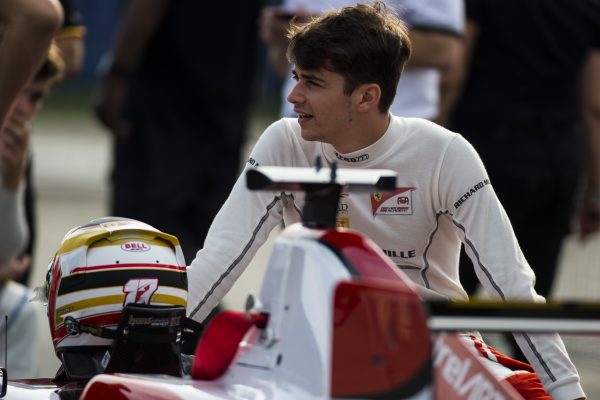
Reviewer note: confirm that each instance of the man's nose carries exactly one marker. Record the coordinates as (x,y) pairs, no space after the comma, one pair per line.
(295,96)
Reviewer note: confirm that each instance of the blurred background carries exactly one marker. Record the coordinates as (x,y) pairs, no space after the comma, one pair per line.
(73,158)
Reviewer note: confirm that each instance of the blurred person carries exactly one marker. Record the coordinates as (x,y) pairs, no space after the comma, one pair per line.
(26,31)
(27,24)
(69,46)
(28,103)
(530,100)
(347,64)
(436,28)
(175,94)
(14,151)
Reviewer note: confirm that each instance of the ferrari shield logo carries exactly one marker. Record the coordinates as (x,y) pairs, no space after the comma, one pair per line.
(398,202)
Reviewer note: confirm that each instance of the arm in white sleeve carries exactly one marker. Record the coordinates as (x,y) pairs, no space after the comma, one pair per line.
(436,27)
(489,240)
(241,226)
(483,226)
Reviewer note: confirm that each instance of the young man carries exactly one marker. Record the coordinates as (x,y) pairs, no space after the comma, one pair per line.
(347,65)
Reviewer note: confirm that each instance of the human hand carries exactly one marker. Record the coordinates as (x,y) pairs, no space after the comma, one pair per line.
(14,145)
(108,104)
(274,24)
(14,268)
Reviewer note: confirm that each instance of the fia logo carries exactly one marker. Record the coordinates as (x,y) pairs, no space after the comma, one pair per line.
(139,290)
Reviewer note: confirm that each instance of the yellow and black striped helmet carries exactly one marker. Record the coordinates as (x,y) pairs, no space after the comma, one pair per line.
(104,265)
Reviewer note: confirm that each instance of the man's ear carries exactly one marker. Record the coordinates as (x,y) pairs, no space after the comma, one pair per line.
(370,94)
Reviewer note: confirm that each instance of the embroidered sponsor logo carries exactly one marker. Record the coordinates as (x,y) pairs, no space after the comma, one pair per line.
(342,219)
(471,192)
(135,246)
(139,290)
(342,222)
(397,203)
(253,162)
(400,253)
(362,157)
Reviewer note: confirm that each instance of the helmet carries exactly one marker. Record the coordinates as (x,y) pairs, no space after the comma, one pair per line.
(99,269)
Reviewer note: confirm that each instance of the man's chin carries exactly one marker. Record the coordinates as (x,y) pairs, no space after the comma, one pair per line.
(308,135)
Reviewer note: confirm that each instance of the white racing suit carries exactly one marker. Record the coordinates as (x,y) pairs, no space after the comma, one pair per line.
(443,198)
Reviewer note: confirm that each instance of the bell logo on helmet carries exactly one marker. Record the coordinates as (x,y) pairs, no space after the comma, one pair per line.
(135,246)
(139,290)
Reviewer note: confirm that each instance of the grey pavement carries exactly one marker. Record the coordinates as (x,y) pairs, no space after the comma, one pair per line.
(72,162)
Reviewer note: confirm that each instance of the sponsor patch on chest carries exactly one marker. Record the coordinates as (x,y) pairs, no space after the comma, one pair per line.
(398,202)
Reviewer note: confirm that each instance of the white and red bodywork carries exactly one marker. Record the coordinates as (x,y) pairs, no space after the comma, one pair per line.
(335,319)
